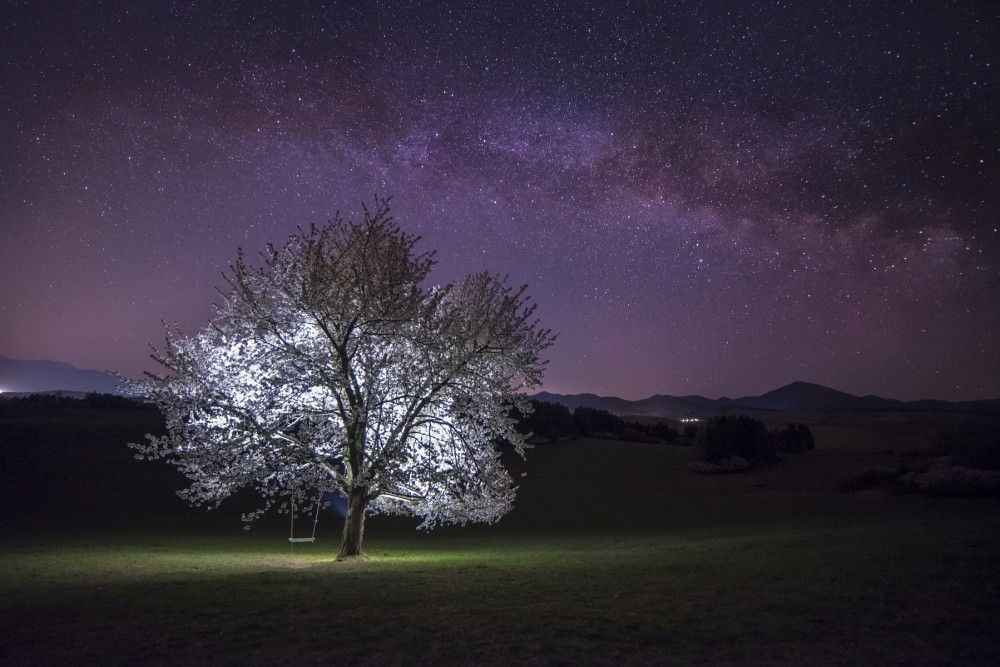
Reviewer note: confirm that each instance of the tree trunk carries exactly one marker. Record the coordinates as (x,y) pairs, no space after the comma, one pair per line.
(354,524)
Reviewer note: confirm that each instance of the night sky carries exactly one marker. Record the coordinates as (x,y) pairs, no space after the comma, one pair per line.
(704,197)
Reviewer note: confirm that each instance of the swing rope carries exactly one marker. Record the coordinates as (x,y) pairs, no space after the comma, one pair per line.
(291,530)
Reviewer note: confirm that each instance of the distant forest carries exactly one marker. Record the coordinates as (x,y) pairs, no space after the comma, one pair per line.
(552,422)
(57,400)
(722,436)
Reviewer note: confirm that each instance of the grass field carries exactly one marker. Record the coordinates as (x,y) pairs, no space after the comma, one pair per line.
(615,554)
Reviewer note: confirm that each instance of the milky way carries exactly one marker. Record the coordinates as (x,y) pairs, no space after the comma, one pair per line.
(704,197)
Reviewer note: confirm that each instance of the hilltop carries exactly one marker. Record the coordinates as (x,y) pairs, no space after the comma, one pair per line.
(800,398)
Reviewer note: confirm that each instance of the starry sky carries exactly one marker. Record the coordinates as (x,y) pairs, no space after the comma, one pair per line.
(704,197)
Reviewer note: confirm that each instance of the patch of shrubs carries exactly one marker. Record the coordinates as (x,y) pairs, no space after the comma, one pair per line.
(737,443)
(732,464)
(872,478)
(936,477)
(793,439)
(973,443)
(722,438)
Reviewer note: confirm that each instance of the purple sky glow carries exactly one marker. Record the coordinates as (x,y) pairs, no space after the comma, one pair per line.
(709,198)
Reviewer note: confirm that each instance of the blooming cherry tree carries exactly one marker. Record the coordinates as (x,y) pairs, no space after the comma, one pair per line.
(331,367)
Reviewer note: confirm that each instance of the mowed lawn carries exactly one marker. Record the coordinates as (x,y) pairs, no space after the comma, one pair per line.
(615,554)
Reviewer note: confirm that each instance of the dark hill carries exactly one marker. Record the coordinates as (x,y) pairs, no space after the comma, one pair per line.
(810,398)
(20,376)
(803,398)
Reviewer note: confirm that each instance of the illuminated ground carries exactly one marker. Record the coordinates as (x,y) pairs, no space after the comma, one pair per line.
(614,555)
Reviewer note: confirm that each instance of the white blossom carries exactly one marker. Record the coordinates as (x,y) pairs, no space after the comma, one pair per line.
(332,368)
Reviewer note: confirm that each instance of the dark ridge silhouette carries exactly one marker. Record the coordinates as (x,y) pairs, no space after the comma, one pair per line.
(803,398)
(20,376)
(808,397)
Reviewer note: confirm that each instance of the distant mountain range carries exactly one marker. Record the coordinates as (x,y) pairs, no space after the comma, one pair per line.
(802,398)
(18,376)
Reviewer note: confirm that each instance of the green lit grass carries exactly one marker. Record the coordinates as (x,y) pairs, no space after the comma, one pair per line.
(614,555)
(911,593)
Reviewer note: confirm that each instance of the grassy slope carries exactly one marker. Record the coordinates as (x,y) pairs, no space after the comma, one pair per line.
(614,554)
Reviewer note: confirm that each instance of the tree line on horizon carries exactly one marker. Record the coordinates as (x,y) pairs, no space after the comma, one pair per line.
(719,437)
(91,399)
(552,422)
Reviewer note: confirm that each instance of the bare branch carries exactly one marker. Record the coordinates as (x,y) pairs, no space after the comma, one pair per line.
(330,366)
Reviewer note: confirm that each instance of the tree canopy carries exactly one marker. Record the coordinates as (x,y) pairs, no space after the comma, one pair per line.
(331,366)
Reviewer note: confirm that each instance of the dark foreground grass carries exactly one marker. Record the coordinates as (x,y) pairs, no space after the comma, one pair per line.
(871,594)
(615,554)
